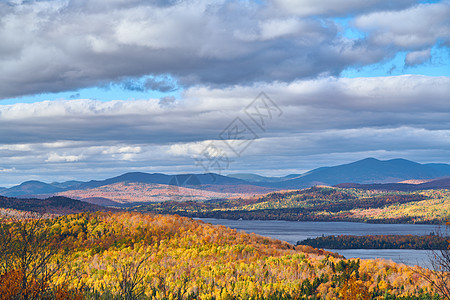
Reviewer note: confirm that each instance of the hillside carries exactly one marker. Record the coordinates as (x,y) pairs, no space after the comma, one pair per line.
(322,204)
(369,170)
(166,187)
(134,256)
(366,171)
(32,187)
(417,242)
(158,178)
(128,193)
(443,168)
(258,178)
(408,185)
(52,205)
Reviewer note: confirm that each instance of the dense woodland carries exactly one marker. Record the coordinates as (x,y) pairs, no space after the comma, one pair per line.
(313,204)
(54,205)
(427,242)
(135,256)
(321,204)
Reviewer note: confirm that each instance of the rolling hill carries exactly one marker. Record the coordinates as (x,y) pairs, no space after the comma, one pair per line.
(158,178)
(443,168)
(258,178)
(52,205)
(134,192)
(210,185)
(203,186)
(442,183)
(328,204)
(369,170)
(144,256)
(32,187)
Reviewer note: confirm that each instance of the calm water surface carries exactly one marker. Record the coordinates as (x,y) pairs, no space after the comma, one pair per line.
(292,232)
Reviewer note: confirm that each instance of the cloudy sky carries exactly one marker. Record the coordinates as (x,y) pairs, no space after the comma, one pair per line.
(93,89)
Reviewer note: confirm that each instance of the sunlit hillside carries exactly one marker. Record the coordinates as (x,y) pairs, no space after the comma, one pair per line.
(135,256)
(323,204)
(143,192)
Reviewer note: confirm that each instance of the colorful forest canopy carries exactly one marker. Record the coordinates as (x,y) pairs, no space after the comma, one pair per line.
(136,256)
(321,204)
(427,242)
(56,205)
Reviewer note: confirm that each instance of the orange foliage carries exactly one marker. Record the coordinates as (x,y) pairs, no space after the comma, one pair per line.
(354,290)
(10,284)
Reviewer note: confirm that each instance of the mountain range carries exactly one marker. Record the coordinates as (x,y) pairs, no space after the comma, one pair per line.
(138,187)
(367,171)
(443,183)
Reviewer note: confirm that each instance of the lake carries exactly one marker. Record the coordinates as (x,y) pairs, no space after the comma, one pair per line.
(292,232)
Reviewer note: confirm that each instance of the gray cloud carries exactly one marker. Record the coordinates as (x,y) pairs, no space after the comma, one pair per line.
(202,113)
(339,8)
(417,57)
(164,84)
(67,45)
(324,121)
(414,28)
(223,53)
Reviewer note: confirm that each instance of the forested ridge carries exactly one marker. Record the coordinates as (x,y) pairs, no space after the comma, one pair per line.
(53,205)
(321,204)
(136,256)
(427,242)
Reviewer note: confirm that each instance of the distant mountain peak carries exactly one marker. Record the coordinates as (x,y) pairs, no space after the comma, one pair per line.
(31,187)
(369,159)
(369,170)
(33,182)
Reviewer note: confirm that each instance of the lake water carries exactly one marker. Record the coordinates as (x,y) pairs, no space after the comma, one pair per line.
(292,232)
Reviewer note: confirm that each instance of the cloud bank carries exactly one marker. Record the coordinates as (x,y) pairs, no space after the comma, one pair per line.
(324,121)
(63,45)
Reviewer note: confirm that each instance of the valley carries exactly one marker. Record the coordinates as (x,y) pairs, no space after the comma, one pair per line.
(134,237)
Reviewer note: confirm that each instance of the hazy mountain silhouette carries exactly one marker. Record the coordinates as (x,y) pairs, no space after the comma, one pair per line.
(444,168)
(369,170)
(366,171)
(443,183)
(31,187)
(258,178)
(55,205)
(178,180)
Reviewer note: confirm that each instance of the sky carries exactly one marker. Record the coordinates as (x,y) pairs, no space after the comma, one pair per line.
(93,89)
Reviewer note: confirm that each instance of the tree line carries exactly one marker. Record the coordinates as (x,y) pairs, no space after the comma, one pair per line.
(426,242)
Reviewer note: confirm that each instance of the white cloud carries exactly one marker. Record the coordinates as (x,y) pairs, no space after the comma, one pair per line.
(4,170)
(202,113)
(400,116)
(66,45)
(417,57)
(187,149)
(336,7)
(122,150)
(16,147)
(78,108)
(55,157)
(417,27)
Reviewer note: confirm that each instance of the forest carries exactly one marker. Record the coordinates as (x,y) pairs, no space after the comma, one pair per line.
(320,204)
(55,205)
(427,242)
(106,255)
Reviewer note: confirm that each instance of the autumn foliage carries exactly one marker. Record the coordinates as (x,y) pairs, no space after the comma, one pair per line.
(321,204)
(137,256)
(425,242)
